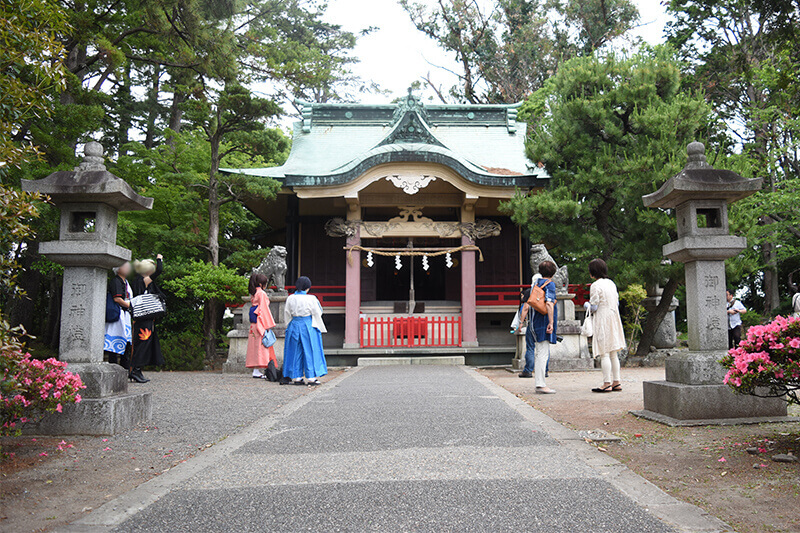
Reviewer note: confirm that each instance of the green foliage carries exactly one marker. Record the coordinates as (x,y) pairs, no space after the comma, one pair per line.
(204,281)
(30,71)
(632,298)
(609,129)
(745,56)
(508,48)
(17,209)
(183,350)
(751,318)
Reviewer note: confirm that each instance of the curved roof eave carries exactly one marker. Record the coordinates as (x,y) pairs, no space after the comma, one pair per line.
(417,153)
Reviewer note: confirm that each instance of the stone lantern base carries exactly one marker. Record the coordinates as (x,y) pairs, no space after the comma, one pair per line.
(693,395)
(106,407)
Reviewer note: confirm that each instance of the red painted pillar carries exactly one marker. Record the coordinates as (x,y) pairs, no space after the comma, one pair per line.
(352,313)
(468,308)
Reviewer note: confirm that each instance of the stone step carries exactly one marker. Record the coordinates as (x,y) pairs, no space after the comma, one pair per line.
(412,360)
(568,365)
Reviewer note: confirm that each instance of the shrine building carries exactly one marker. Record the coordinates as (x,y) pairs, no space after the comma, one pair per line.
(393,211)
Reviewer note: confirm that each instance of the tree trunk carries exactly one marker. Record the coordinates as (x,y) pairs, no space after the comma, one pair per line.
(602,217)
(178,98)
(213,203)
(654,319)
(124,104)
(152,108)
(771,286)
(210,316)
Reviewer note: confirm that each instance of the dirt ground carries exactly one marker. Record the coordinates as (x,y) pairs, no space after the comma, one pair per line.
(707,466)
(49,482)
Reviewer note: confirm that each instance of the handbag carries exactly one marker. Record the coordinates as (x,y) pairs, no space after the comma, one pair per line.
(272,373)
(148,307)
(587,329)
(253,314)
(268,339)
(537,298)
(113,309)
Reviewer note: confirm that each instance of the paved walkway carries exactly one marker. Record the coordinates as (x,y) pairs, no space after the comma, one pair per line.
(401,449)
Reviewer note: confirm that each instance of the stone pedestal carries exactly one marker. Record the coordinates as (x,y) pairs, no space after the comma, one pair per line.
(666,334)
(106,408)
(518,362)
(572,353)
(89,199)
(693,392)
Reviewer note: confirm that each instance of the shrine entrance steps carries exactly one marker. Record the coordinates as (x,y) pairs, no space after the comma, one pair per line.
(412,360)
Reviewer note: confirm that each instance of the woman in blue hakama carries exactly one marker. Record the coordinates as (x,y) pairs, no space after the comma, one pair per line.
(302,350)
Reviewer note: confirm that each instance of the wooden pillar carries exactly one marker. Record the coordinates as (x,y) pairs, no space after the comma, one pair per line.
(292,239)
(469,331)
(352,314)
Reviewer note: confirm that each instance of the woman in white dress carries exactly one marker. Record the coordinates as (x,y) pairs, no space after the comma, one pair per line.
(609,336)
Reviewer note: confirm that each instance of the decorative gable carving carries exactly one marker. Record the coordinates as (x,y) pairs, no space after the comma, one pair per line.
(410,184)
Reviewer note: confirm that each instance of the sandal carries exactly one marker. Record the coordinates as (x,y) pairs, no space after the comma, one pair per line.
(616,388)
(602,389)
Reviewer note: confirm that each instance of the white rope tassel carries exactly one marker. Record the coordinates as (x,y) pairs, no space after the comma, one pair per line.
(425,265)
(370,262)
(448,260)
(397,263)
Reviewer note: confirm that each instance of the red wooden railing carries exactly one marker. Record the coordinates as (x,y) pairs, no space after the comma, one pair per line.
(328,295)
(410,332)
(509,294)
(486,295)
(581,293)
(498,294)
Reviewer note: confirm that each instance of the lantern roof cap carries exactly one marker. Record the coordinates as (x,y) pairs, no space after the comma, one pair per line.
(700,181)
(90,182)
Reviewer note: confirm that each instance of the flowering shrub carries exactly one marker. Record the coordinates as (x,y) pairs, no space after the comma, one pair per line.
(29,387)
(767,362)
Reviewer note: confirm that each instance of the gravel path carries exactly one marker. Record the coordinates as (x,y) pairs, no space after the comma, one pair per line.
(192,411)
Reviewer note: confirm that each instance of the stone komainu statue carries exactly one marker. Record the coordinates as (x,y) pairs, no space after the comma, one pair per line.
(274,267)
(538,254)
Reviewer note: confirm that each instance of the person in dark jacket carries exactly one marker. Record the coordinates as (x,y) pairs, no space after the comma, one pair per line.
(146,347)
(117,341)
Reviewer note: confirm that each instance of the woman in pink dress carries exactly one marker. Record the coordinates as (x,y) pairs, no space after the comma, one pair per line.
(258,357)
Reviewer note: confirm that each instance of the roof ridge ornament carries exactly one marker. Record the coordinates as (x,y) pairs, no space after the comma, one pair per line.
(306,112)
(409,103)
(511,119)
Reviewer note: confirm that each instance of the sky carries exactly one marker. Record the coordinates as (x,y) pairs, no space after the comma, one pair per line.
(396,53)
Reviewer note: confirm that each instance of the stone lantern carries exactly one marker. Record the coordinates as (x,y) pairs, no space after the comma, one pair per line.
(89,199)
(693,392)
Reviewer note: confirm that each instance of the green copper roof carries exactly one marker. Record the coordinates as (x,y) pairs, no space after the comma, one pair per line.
(335,143)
